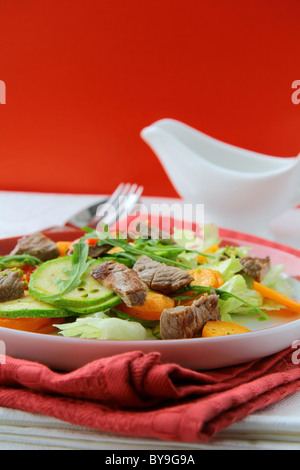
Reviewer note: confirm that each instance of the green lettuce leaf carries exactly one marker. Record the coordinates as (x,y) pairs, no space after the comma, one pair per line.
(101,326)
(277,280)
(152,326)
(238,287)
(227,268)
(211,236)
(188,258)
(234,295)
(189,241)
(273,275)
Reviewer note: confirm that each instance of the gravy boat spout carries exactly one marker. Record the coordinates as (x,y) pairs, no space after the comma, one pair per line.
(240,189)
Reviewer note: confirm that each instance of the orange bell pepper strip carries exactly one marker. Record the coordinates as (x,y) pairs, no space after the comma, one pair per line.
(206,277)
(212,249)
(202,277)
(33,325)
(63,247)
(222,328)
(152,308)
(272,294)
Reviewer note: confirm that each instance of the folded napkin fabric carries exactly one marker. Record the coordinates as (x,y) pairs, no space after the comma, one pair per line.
(136,394)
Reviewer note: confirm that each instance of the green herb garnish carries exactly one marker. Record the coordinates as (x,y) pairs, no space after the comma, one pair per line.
(19,260)
(224,295)
(105,238)
(80,263)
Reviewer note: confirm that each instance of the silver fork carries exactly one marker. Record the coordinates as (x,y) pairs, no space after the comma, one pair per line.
(118,205)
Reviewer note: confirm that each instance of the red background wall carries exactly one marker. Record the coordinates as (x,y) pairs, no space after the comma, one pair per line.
(83,78)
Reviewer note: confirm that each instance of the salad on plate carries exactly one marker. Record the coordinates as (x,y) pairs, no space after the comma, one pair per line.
(139,285)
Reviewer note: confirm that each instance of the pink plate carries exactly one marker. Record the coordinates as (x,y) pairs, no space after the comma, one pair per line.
(200,353)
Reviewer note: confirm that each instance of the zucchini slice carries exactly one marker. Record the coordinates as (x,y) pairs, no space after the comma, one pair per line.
(90,292)
(28,307)
(110,303)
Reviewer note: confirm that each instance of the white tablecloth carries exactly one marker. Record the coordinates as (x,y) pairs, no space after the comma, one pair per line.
(277,427)
(23,213)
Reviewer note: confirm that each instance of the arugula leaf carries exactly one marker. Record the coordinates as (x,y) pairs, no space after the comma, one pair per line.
(140,252)
(79,266)
(123,258)
(224,295)
(167,248)
(80,263)
(105,238)
(21,260)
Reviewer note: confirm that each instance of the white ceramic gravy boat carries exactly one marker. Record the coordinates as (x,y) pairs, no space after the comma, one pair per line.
(240,189)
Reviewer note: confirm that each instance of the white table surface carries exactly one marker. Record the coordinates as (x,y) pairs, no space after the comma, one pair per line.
(277,427)
(23,213)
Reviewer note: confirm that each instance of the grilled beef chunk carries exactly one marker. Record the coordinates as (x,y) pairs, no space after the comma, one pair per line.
(122,280)
(96,251)
(188,321)
(37,245)
(144,230)
(160,277)
(11,285)
(256,268)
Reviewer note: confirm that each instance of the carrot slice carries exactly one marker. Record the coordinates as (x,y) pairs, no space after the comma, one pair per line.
(206,277)
(222,328)
(202,277)
(212,249)
(63,247)
(272,294)
(152,308)
(33,325)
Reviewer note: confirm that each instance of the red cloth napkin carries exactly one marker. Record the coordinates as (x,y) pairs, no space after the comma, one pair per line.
(135,394)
